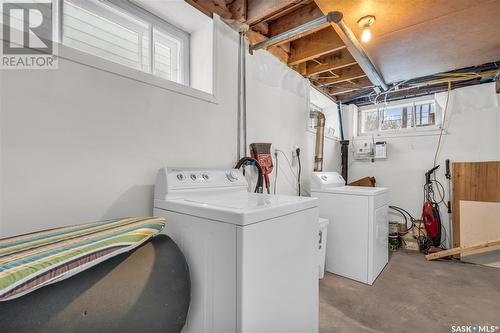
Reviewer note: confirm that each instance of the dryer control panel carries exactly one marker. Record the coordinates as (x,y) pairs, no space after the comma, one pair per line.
(321,180)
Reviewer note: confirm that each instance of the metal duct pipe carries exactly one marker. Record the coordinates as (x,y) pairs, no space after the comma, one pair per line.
(357,51)
(320,138)
(242,99)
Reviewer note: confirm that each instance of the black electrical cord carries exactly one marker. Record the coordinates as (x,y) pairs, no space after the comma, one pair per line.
(404,213)
(401,209)
(300,167)
(260,177)
(276,170)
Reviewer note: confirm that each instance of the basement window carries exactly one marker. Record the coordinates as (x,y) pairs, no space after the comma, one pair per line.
(398,117)
(114,30)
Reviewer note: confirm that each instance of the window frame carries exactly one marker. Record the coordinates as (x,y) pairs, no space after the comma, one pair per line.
(154,22)
(402,131)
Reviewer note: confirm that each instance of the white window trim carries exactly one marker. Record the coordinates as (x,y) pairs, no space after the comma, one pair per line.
(82,58)
(413,131)
(85,59)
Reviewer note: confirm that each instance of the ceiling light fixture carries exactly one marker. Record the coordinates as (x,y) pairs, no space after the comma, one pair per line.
(365,22)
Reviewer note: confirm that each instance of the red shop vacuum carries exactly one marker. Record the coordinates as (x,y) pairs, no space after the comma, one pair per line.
(262,153)
(430,211)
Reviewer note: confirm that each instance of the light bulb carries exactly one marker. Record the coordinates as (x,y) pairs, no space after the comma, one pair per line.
(366,35)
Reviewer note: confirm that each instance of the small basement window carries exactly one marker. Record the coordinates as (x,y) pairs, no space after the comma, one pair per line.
(398,117)
(115,33)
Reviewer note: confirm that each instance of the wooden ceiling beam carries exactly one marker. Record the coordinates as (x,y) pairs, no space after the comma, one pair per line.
(342,75)
(262,10)
(209,7)
(330,62)
(349,86)
(315,45)
(238,9)
(294,19)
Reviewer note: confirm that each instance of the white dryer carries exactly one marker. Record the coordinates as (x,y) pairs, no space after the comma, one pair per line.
(358,230)
(252,257)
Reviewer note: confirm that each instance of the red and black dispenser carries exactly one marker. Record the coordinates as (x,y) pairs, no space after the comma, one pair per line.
(262,153)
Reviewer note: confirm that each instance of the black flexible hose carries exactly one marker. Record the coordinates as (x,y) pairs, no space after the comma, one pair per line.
(404,213)
(300,167)
(260,177)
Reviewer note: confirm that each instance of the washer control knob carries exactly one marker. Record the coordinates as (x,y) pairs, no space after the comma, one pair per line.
(192,176)
(232,175)
(181,177)
(205,176)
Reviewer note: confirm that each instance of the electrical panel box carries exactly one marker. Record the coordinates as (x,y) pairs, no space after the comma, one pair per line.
(370,150)
(363,151)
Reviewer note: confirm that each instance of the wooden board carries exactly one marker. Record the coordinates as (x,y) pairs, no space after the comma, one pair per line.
(480,221)
(473,181)
(484,246)
(315,45)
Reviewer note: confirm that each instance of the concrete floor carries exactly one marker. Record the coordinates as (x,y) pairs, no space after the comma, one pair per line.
(412,295)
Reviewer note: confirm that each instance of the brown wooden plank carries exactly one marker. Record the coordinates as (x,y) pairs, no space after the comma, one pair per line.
(314,45)
(492,245)
(349,86)
(209,7)
(295,18)
(238,10)
(255,37)
(261,10)
(339,59)
(473,181)
(342,75)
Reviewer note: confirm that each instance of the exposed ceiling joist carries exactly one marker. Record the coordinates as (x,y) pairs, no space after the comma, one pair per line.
(238,9)
(209,7)
(349,86)
(315,45)
(262,10)
(342,75)
(295,18)
(339,59)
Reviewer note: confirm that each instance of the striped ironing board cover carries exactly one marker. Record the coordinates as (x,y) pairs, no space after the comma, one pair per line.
(34,260)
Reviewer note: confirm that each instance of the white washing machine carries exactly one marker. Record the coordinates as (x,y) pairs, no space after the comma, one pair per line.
(253,258)
(358,230)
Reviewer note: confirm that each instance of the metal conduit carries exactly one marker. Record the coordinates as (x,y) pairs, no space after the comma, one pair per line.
(242,112)
(296,32)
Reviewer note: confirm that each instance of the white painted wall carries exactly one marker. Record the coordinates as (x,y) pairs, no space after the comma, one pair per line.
(277,112)
(472,125)
(80,144)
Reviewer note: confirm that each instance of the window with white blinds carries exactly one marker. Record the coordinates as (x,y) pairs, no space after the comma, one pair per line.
(167,55)
(107,31)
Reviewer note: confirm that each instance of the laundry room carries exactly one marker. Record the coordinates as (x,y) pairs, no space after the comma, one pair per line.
(250,166)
